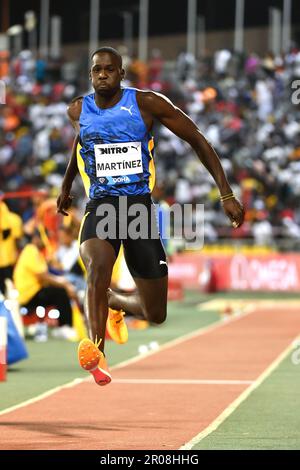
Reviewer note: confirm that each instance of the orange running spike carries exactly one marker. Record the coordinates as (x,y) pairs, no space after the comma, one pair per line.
(116,326)
(101,373)
(93,361)
(88,354)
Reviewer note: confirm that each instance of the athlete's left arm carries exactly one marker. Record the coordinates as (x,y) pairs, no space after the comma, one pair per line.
(162,109)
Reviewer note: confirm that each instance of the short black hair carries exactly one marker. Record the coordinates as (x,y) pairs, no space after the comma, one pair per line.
(109,50)
(76,99)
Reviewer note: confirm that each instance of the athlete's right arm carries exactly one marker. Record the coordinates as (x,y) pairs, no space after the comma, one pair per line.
(64,199)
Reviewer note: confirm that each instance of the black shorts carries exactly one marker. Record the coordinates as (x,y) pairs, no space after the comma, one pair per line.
(114,219)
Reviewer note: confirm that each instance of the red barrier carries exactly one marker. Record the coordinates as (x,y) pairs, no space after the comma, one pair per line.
(175,290)
(3,347)
(22,194)
(272,272)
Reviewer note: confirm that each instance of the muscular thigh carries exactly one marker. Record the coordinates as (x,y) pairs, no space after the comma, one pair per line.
(147,263)
(89,233)
(98,257)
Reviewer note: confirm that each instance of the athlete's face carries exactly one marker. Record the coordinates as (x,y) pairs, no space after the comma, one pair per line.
(106,73)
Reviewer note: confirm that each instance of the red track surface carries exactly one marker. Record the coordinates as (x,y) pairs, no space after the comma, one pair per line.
(155,416)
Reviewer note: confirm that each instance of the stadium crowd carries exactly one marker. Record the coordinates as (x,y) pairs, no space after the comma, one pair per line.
(242,103)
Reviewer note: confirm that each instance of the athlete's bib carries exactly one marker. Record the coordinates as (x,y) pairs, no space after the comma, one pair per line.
(118,163)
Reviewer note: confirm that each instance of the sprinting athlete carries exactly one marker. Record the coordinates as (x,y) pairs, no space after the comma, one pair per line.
(113,150)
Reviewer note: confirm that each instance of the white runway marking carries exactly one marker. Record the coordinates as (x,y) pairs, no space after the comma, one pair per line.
(183,381)
(236,403)
(169,344)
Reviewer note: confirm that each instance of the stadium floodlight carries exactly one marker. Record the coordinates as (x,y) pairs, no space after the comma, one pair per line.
(274,30)
(286,25)
(191,27)
(94,25)
(55,42)
(30,26)
(15,30)
(30,20)
(3,42)
(201,35)
(143,30)
(239,25)
(44,28)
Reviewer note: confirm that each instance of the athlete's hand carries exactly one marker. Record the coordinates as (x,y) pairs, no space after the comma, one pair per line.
(64,202)
(234,211)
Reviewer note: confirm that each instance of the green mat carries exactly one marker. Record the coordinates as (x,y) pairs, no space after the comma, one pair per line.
(268,419)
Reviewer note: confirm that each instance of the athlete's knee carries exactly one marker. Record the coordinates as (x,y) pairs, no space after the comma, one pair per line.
(158,320)
(157,315)
(98,276)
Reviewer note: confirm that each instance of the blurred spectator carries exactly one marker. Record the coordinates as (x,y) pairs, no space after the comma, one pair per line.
(38,288)
(10,232)
(262,230)
(186,65)
(241,103)
(156,64)
(126,59)
(264,98)
(67,259)
(222,59)
(138,73)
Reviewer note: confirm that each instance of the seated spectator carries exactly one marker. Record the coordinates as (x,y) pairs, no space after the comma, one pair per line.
(10,232)
(67,258)
(38,288)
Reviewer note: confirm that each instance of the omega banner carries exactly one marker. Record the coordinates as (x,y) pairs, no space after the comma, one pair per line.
(272,272)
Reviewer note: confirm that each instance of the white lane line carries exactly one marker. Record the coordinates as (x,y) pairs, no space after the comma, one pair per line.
(183,381)
(140,357)
(42,396)
(240,399)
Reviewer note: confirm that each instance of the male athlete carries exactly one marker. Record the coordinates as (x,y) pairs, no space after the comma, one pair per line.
(113,151)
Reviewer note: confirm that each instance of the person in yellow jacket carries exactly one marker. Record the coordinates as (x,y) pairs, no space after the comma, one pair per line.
(10,232)
(37,287)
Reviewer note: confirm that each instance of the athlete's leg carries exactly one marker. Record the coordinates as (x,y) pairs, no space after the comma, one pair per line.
(146,261)
(150,302)
(98,257)
(153,298)
(130,302)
